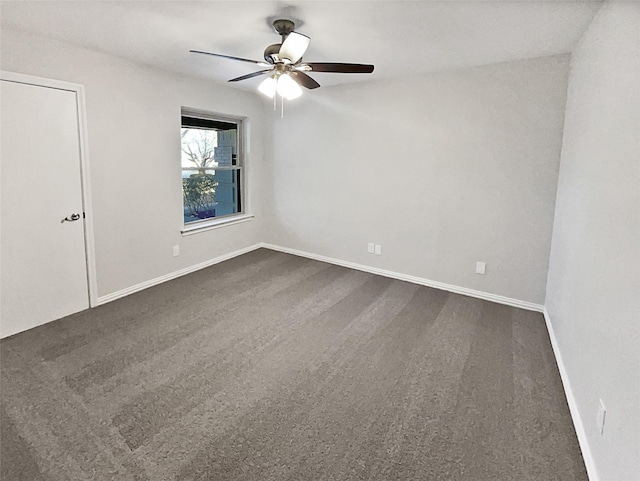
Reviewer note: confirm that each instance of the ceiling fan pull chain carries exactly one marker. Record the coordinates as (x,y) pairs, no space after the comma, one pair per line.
(282,106)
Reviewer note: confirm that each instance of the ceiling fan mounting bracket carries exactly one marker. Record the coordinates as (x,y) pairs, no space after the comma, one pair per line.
(283,26)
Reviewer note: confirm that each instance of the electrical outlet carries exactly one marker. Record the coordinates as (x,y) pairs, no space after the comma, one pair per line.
(370,247)
(481,267)
(602,414)
(176,251)
(378,249)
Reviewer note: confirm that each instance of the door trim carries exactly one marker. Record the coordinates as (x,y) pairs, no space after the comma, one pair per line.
(87,206)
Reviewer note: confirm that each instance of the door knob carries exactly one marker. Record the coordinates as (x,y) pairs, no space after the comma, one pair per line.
(71,218)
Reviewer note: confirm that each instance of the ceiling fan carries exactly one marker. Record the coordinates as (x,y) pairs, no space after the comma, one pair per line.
(286,70)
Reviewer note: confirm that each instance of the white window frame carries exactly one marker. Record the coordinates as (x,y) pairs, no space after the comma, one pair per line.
(242,215)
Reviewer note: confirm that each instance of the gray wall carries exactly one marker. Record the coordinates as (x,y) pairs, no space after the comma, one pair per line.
(593,292)
(133,117)
(442,171)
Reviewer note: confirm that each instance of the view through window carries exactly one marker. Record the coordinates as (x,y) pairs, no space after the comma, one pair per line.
(211,166)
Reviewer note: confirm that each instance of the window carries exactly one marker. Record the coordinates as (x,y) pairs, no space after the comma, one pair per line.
(212,168)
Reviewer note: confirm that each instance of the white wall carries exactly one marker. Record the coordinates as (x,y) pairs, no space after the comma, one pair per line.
(441,170)
(133,116)
(593,292)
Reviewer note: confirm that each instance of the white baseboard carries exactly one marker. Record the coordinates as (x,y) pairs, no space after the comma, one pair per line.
(172,275)
(571,400)
(361,267)
(530,306)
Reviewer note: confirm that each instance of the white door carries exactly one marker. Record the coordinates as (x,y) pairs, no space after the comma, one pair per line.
(43,266)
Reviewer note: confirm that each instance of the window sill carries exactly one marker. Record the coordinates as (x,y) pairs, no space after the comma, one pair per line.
(215,224)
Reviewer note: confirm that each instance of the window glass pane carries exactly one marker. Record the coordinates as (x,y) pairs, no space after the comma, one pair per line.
(210,193)
(227,192)
(211,161)
(198,147)
(209,147)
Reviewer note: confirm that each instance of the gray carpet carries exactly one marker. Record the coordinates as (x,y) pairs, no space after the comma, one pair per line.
(276,367)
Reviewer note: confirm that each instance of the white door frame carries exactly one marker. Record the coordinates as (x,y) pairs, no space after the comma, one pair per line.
(87,207)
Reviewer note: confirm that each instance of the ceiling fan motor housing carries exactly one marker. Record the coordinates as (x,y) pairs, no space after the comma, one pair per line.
(271,52)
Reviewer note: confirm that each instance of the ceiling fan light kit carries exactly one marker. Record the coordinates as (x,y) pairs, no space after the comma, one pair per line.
(286,70)
(288,88)
(268,87)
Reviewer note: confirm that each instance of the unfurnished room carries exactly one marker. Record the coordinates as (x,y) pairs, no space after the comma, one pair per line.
(320,240)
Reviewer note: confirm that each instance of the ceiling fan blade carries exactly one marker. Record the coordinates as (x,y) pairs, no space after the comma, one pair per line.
(262,64)
(294,47)
(250,75)
(339,67)
(304,80)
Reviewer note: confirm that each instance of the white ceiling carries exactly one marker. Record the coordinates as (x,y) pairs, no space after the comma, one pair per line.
(400,38)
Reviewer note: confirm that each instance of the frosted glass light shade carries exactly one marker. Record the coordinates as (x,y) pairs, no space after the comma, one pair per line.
(294,47)
(268,87)
(288,88)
